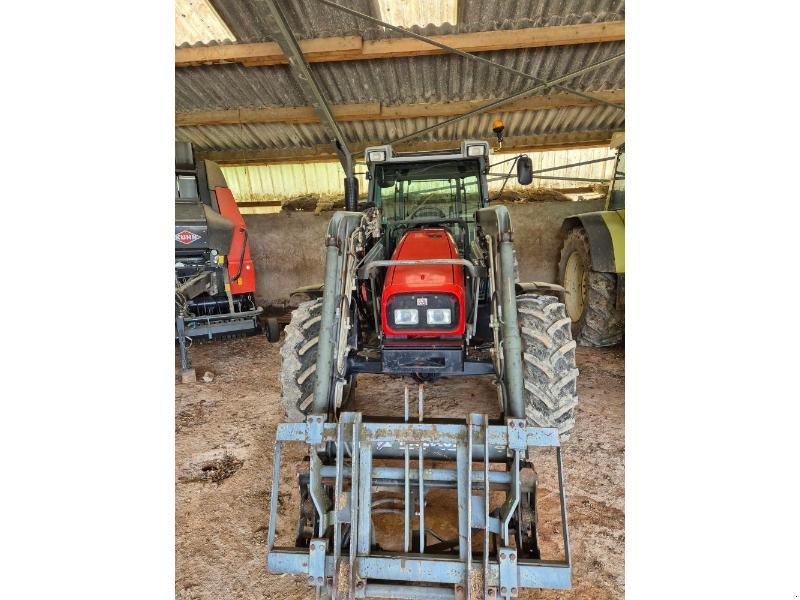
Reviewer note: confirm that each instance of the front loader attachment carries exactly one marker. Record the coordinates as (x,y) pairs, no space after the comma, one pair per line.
(362,472)
(422,507)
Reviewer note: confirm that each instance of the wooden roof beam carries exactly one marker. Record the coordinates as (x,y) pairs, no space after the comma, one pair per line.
(356,48)
(377,111)
(325,153)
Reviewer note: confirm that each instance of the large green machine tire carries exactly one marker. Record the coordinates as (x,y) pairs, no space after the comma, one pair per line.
(593,300)
(549,371)
(299,360)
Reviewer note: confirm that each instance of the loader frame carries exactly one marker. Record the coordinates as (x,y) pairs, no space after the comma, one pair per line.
(363,573)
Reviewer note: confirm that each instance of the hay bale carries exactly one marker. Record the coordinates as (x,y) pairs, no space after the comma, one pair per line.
(307,202)
(540,194)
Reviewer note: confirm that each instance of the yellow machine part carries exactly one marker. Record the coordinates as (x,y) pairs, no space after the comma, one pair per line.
(615,221)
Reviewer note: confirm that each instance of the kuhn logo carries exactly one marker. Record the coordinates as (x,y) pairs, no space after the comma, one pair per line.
(186,237)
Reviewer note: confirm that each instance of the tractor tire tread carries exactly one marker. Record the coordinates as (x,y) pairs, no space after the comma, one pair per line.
(604,322)
(603,319)
(299,359)
(549,370)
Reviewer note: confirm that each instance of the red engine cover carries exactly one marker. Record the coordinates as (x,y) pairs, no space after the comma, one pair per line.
(421,244)
(246,281)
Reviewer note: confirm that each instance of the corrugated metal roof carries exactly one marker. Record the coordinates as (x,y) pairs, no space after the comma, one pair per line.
(249,21)
(396,81)
(418,12)
(277,135)
(197,22)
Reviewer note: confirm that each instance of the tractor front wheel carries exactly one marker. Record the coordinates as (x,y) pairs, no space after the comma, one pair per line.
(299,360)
(548,358)
(593,300)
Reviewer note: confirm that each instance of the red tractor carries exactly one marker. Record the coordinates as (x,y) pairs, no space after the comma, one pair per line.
(423,291)
(422,283)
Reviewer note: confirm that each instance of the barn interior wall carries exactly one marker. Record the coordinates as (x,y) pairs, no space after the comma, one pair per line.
(258,183)
(288,250)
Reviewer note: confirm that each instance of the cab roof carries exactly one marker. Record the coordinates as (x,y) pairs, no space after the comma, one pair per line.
(477,148)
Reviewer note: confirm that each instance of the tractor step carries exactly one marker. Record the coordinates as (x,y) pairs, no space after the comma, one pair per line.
(338,554)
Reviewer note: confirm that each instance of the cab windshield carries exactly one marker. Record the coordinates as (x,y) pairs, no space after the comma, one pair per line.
(415,194)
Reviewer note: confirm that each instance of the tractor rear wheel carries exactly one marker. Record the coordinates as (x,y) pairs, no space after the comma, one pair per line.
(549,371)
(593,300)
(299,360)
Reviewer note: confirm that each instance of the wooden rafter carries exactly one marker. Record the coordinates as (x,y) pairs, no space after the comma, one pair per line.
(356,48)
(325,153)
(378,111)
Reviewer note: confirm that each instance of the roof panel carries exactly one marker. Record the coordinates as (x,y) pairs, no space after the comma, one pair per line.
(250,22)
(396,81)
(280,135)
(196,21)
(407,13)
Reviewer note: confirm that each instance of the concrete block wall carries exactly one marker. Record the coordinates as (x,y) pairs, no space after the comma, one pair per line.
(288,250)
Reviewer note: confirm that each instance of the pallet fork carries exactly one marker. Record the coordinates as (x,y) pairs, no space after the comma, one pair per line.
(341,560)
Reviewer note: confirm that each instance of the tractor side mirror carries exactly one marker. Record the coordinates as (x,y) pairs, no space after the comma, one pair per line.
(524,170)
(386,182)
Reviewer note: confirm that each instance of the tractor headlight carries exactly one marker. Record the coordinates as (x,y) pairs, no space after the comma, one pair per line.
(376,156)
(422,312)
(406,316)
(439,316)
(476,150)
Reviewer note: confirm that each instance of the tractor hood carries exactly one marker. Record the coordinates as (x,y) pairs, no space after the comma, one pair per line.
(423,288)
(423,244)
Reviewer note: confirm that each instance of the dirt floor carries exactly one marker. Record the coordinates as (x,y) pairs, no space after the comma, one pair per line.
(224,440)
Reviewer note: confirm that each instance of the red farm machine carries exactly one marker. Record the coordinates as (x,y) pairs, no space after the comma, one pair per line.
(215,279)
(420,282)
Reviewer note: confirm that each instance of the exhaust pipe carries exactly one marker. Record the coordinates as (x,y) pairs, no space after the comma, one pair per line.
(351,194)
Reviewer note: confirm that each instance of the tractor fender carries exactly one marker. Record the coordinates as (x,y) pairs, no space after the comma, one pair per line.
(309,292)
(606,232)
(495,221)
(537,287)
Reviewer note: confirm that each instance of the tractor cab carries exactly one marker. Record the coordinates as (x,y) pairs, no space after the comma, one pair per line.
(415,190)
(425,209)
